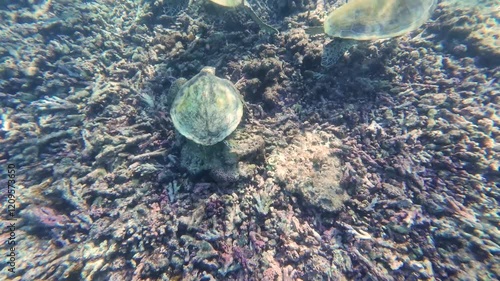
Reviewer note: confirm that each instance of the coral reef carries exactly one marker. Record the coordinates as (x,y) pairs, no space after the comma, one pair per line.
(225,161)
(310,167)
(474,35)
(400,141)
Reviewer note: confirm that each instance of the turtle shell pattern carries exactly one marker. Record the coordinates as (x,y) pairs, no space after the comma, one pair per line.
(377,19)
(206,109)
(228,3)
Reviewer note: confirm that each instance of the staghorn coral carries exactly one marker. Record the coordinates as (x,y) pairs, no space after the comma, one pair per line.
(478,32)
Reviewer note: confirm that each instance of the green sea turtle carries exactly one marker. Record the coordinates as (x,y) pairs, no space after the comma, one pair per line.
(246,8)
(206,108)
(360,20)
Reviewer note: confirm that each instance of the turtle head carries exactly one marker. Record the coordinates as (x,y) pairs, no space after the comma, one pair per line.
(208,70)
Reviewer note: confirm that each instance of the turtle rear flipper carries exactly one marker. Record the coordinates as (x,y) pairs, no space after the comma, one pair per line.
(264,26)
(247,9)
(334,50)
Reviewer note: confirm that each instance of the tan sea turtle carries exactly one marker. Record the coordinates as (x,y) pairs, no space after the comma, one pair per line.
(360,20)
(206,108)
(248,9)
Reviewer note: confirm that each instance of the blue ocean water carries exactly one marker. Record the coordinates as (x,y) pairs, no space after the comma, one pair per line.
(380,165)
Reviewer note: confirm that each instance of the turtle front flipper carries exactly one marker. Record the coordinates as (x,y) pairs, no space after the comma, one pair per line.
(314,30)
(334,50)
(264,26)
(172,92)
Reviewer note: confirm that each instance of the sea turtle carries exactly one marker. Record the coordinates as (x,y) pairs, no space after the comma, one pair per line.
(360,20)
(206,108)
(246,8)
